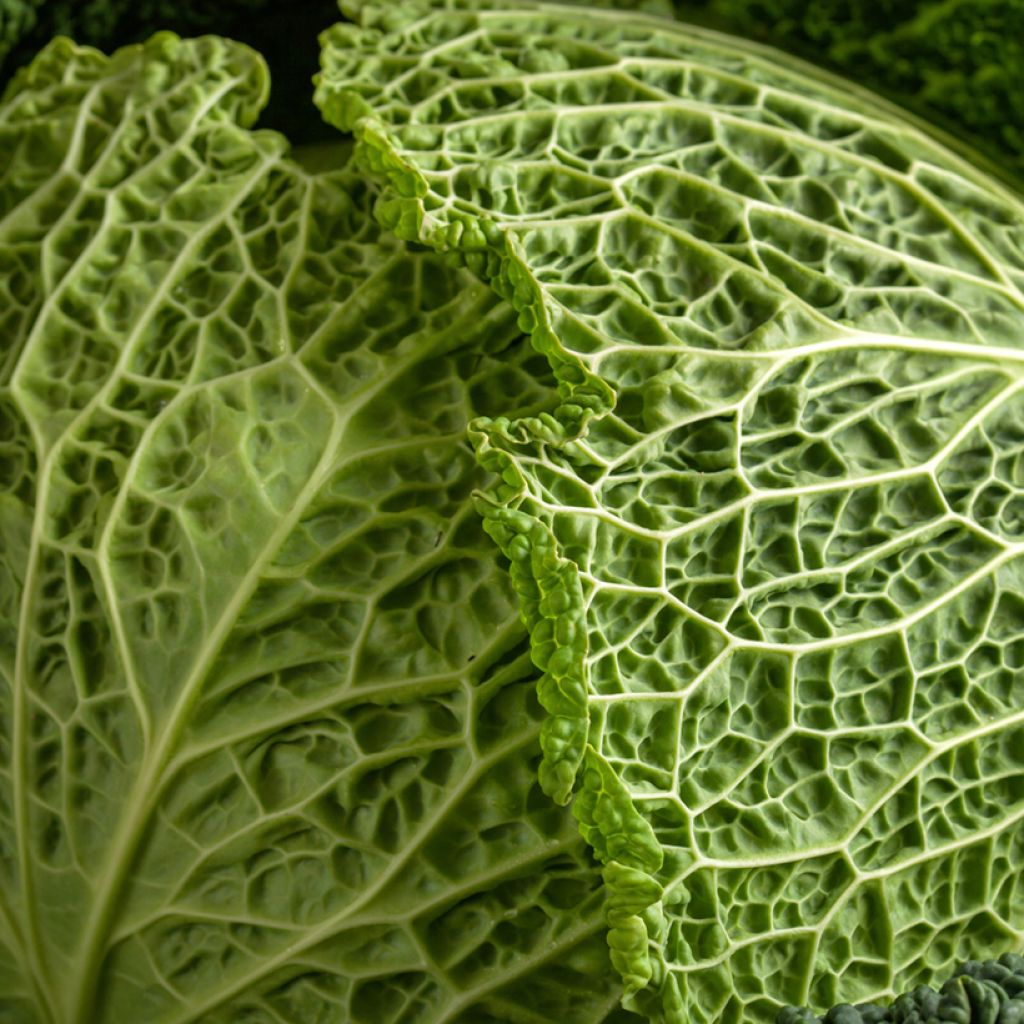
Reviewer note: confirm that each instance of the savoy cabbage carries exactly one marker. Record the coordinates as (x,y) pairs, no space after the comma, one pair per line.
(267,717)
(724,354)
(769,544)
(955,62)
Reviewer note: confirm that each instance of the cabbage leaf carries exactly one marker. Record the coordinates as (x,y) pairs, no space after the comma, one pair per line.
(955,61)
(268,726)
(769,545)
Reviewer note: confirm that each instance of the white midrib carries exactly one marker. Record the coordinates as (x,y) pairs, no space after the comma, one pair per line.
(92,948)
(852,340)
(42,984)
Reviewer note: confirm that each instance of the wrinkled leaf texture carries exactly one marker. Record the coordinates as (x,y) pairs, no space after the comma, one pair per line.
(769,546)
(268,729)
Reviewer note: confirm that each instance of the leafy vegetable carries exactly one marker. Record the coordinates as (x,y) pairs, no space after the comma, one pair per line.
(990,992)
(769,544)
(268,732)
(270,737)
(283,33)
(956,62)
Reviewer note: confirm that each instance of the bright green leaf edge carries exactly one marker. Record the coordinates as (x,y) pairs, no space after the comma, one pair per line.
(548,586)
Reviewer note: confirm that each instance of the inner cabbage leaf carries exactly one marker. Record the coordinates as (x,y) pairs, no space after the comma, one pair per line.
(268,725)
(770,546)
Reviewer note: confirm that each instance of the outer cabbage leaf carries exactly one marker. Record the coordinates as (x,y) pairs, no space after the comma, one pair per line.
(268,732)
(958,60)
(956,63)
(283,33)
(769,545)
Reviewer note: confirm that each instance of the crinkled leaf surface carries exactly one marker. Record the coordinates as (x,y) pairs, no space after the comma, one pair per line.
(268,732)
(771,545)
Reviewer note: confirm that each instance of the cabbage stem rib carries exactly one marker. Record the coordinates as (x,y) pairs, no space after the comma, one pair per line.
(125,843)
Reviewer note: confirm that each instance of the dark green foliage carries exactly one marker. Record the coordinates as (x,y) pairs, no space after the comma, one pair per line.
(17,17)
(106,22)
(978,993)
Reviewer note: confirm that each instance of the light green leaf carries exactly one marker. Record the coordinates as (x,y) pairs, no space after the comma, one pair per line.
(268,732)
(770,545)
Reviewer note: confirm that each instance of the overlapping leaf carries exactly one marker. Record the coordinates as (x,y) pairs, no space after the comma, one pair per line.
(268,732)
(770,544)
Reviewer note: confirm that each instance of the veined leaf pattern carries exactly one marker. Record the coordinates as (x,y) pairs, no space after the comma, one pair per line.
(770,544)
(268,726)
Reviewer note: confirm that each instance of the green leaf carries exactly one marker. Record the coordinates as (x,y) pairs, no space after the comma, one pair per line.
(955,61)
(771,539)
(268,732)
